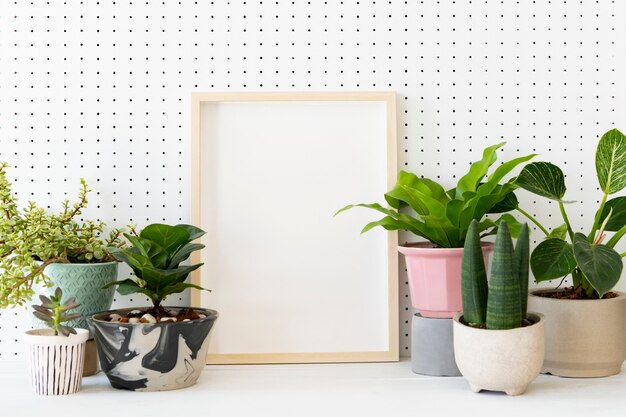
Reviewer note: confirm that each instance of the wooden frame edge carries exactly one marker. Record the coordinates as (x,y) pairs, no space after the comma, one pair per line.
(389,98)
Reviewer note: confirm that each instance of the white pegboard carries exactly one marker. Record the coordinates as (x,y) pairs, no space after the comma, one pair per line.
(101,90)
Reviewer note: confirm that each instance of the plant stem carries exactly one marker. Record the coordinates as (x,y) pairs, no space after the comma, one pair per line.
(570,232)
(57,320)
(532,219)
(616,237)
(596,220)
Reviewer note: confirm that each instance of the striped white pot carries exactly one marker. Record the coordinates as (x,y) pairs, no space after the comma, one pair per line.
(56,362)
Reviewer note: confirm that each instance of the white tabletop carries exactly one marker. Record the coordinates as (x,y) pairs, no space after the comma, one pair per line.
(377,389)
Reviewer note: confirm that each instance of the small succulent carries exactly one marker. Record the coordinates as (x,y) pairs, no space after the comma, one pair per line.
(53,311)
(501,303)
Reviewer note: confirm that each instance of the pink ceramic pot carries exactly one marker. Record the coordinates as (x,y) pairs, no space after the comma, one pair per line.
(435,277)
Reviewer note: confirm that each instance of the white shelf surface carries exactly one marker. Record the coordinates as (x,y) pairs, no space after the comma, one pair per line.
(375,389)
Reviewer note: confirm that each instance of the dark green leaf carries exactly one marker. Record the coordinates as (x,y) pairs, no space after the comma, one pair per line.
(522,251)
(544,179)
(138,244)
(183,253)
(552,259)
(558,232)
(156,255)
(473,278)
(156,279)
(618,215)
(504,309)
(170,238)
(125,287)
(611,161)
(194,232)
(509,203)
(178,288)
(601,265)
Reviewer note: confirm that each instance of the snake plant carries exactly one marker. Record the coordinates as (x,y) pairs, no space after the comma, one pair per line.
(501,303)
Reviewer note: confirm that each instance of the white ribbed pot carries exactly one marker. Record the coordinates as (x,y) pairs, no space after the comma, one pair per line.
(499,360)
(56,362)
(584,338)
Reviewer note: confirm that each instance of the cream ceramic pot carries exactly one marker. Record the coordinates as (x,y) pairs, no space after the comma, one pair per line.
(499,360)
(584,338)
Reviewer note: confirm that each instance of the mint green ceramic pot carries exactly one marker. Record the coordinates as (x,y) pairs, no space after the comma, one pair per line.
(85,281)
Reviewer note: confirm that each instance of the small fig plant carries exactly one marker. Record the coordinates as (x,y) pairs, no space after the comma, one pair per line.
(155,258)
(500,303)
(53,311)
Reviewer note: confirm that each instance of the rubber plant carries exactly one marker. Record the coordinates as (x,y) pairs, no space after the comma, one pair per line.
(592,261)
(500,303)
(31,238)
(155,258)
(423,207)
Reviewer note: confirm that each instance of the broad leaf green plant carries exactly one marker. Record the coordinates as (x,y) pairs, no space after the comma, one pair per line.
(53,311)
(595,266)
(155,258)
(424,208)
(500,303)
(32,238)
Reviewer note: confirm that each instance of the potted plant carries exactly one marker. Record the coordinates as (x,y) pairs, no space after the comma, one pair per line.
(424,208)
(584,323)
(155,348)
(40,249)
(56,354)
(498,345)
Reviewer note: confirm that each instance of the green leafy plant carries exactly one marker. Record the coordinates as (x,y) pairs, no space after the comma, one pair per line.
(595,266)
(155,258)
(53,311)
(443,217)
(500,303)
(32,238)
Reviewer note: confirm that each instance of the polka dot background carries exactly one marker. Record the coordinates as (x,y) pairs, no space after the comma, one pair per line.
(101,90)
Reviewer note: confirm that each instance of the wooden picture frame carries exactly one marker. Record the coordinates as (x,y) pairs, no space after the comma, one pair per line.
(292,283)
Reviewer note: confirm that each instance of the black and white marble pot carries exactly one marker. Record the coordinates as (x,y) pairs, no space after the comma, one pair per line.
(152,357)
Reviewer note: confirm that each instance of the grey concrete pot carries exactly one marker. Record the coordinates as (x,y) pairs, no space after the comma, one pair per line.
(432,347)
